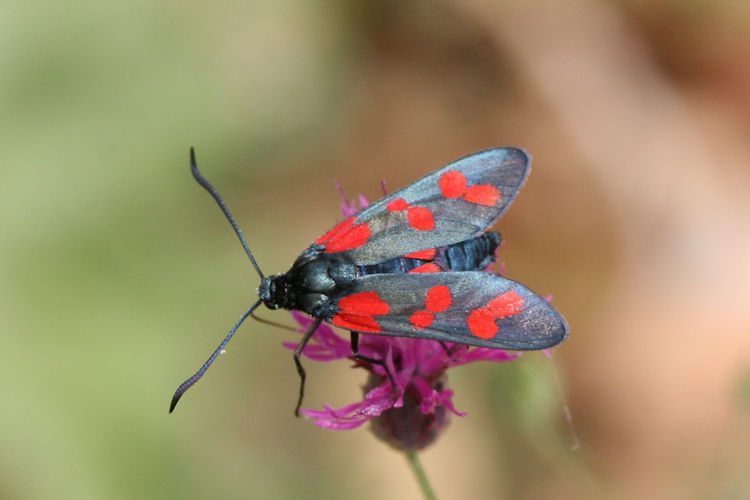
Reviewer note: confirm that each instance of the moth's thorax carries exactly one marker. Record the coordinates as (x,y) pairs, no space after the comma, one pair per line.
(309,285)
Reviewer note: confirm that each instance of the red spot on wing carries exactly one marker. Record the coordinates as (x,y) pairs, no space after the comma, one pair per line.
(482,321)
(438,298)
(341,227)
(452,184)
(482,324)
(428,254)
(357,322)
(422,319)
(421,218)
(353,237)
(368,303)
(430,267)
(357,311)
(397,205)
(505,305)
(483,194)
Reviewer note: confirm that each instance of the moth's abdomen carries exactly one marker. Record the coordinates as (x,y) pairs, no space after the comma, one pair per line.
(470,255)
(474,254)
(398,265)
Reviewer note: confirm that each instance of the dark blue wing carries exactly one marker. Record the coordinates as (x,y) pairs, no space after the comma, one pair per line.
(450,205)
(474,308)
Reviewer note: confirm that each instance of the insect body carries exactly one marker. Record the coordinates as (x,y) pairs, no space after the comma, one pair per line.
(318,280)
(413,265)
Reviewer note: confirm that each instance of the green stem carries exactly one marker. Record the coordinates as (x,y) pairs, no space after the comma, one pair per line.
(416,465)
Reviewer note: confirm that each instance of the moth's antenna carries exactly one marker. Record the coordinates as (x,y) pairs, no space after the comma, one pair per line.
(207,185)
(192,380)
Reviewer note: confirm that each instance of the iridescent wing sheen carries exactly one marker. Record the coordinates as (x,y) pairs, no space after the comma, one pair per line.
(473,308)
(452,204)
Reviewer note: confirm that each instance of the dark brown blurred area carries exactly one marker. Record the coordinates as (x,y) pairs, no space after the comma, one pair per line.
(636,215)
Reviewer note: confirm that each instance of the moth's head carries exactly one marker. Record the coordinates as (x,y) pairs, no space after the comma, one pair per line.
(269,289)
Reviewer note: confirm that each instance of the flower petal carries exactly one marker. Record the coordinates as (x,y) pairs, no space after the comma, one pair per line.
(348,417)
(352,416)
(445,398)
(483,354)
(324,345)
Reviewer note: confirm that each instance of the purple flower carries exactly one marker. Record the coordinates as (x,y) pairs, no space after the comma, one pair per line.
(418,367)
(410,415)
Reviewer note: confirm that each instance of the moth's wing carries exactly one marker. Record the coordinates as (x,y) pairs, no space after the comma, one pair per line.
(474,308)
(452,204)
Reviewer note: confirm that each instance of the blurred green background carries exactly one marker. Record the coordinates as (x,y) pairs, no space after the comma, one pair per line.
(118,275)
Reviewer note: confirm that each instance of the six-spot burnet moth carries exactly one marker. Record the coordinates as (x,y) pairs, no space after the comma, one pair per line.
(413,265)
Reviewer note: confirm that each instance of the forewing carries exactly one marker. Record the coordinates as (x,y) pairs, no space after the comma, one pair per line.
(474,308)
(450,205)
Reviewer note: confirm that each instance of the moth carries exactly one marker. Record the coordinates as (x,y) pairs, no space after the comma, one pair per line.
(414,264)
